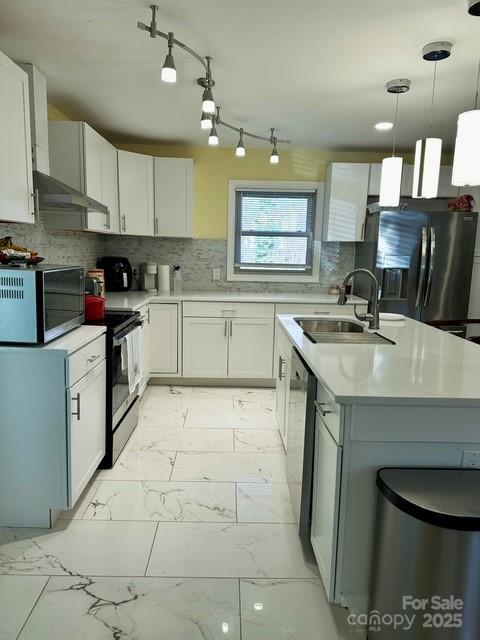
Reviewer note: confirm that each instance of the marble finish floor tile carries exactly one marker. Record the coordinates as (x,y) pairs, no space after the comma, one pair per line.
(155,417)
(234,419)
(136,609)
(230,467)
(214,392)
(82,503)
(254,395)
(254,405)
(294,609)
(228,550)
(181,440)
(166,501)
(259,440)
(264,502)
(18,595)
(77,547)
(140,465)
(161,390)
(192,401)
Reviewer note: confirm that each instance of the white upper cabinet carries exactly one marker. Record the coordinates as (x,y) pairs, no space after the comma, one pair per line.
(445,189)
(135,187)
(81,158)
(16,180)
(174,197)
(345,201)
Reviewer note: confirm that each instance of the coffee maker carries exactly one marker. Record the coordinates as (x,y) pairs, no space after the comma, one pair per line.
(148,276)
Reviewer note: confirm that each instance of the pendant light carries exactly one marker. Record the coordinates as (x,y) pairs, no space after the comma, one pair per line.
(274,157)
(240,150)
(208,103)
(206,120)
(428,151)
(466,160)
(392,167)
(169,72)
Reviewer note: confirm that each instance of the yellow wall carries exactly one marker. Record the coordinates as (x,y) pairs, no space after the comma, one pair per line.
(56,114)
(214,167)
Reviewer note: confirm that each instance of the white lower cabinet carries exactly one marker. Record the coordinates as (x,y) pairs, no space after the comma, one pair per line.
(163,338)
(205,347)
(325,504)
(145,318)
(85,430)
(281,370)
(250,348)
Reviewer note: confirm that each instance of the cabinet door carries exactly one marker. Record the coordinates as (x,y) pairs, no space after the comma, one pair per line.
(110,185)
(375,179)
(325,505)
(135,189)
(16,188)
(205,347)
(85,430)
(174,197)
(345,201)
(250,353)
(474,307)
(163,338)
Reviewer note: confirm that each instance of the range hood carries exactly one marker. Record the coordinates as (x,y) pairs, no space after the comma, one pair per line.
(56,197)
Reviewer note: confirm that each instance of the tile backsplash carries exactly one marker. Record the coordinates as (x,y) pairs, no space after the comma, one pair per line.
(57,247)
(198,257)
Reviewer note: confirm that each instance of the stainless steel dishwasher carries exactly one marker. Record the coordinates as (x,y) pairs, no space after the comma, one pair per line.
(301,442)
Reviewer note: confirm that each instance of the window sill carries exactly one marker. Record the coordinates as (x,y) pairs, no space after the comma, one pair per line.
(268,277)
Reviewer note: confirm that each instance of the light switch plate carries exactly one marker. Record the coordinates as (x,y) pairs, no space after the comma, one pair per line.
(215,274)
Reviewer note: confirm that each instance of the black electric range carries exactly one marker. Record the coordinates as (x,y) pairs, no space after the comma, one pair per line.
(121,401)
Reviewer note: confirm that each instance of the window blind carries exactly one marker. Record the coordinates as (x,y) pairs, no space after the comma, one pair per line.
(274,231)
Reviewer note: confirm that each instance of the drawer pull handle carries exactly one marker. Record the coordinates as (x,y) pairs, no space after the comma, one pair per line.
(93,358)
(320,409)
(77,400)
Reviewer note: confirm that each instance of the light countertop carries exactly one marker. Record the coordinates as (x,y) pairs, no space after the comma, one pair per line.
(69,343)
(424,366)
(133,300)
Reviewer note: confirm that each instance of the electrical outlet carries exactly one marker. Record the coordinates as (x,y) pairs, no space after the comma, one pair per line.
(471,459)
(215,274)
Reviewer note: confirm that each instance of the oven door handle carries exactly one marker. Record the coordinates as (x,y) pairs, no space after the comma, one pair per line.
(117,342)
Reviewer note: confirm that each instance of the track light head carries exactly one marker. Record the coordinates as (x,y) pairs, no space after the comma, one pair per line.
(213,137)
(169,71)
(208,103)
(206,120)
(274,158)
(240,150)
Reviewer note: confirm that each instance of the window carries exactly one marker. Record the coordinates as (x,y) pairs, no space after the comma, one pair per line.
(272,231)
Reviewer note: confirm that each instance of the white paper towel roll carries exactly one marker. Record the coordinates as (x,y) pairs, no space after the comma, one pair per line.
(163,278)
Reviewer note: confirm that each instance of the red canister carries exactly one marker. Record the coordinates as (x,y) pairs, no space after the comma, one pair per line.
(94,308)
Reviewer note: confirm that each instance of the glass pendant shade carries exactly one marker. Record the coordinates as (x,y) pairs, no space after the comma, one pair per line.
(208,103)
(391,182)
(466,161)
(426,171)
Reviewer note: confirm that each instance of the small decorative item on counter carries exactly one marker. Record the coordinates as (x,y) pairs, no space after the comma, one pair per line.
(464,203)
(177,279)
(10,252)
(99,276)
(334,290)
(94,308)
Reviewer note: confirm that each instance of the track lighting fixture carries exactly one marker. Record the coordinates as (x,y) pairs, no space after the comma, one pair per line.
(392,167)
(169,72)
(210,113)
(428,151)
(240,150)
(206,120)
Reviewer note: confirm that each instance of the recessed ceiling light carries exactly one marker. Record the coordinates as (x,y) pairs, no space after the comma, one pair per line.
(384,126)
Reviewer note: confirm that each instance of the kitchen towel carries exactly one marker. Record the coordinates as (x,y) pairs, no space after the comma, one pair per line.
(134,358)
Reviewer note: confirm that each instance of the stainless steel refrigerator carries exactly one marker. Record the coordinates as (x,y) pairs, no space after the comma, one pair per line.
(423,261)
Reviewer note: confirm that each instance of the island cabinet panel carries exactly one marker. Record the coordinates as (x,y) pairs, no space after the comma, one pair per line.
(281,370)
(325,504)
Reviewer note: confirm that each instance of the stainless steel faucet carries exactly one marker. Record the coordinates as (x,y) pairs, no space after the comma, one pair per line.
(372,315)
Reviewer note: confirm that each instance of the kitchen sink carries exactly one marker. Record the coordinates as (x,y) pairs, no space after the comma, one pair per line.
(329,330)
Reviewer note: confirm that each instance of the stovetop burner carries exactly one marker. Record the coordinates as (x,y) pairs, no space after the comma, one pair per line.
(116,321)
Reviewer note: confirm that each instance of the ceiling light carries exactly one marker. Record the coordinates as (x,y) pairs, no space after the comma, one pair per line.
(384,126)
(240,150)
(169,72)
(274,158)
(474,7)
(206,121)
(392,167)
(466,159)
(428,151)
(208,103)
(213,137)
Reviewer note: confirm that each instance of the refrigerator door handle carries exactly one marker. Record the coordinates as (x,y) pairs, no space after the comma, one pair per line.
(423,267)
(431,266)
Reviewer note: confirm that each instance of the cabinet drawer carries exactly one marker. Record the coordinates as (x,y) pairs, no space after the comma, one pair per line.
(227,310)
(329,411)
(85,359)
(322,309)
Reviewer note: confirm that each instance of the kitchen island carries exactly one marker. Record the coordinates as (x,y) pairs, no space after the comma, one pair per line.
(412,403)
